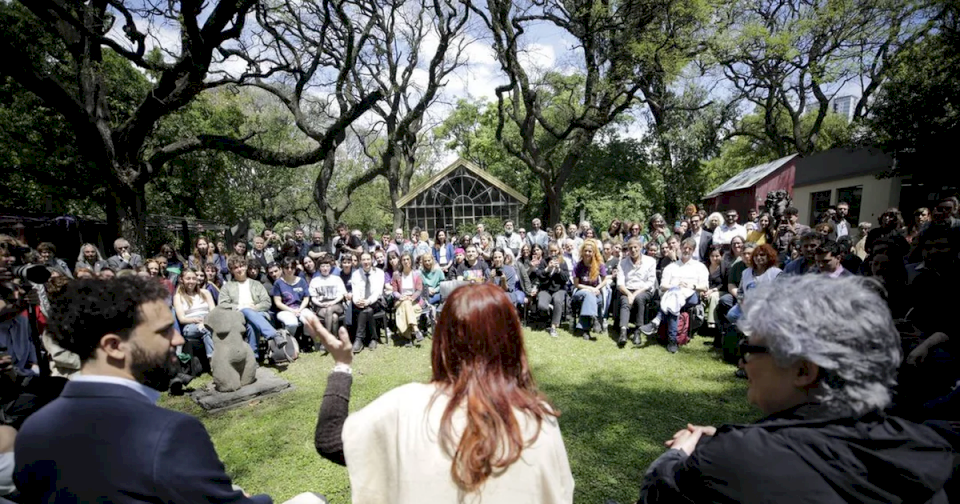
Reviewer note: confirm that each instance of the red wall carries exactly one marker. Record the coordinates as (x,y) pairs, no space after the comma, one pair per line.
(778,180)
(743,200)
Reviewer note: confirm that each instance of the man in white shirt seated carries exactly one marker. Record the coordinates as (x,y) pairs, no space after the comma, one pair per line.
(726,231)
(636,279)
(367,287)
(681,283)
(249,297)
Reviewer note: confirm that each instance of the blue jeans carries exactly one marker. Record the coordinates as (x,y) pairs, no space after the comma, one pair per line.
(257,325)
(734,314)
(200,332)
(589,306)
(434,299)
(691,301)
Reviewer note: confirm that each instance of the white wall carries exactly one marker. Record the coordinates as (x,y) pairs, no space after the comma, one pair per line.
(878,195)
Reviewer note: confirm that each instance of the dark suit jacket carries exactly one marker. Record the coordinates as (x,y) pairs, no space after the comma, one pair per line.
(706,240)
(101,442)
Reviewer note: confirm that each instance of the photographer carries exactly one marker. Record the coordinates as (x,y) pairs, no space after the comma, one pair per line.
(23,390)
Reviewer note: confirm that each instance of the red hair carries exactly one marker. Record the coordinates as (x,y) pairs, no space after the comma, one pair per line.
(479,360)
(766,249)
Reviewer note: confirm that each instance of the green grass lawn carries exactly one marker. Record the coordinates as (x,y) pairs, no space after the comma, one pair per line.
(618,406)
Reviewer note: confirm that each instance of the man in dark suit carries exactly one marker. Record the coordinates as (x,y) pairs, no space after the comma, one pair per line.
(703,238)
(104,439)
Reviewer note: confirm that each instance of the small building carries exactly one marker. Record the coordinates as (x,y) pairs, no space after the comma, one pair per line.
(461,193)
(816,182)
(846,174)
(748,189)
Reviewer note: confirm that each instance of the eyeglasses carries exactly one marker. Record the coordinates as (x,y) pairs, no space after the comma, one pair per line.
(746,349)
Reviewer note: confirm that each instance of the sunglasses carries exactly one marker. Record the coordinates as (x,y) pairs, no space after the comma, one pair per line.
(746,348)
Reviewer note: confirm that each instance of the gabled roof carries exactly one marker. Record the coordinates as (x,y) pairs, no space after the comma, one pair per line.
(750,176)
(472,168)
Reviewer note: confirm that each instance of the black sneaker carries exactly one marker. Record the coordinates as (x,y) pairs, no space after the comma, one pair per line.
(358,346)
(649,329)
(622,341)
(418,337)
(318,347)
(672,347)
(552,331)
(373,344)
(636,338)
(740,373)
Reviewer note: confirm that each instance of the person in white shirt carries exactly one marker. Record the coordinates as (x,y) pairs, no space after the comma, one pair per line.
(414,444)
(680,285)
(726,231)
(367,287)
(249,297)
(326,295)
(840,219)
(636,279)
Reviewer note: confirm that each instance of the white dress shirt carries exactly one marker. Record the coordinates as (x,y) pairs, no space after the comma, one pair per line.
(690,272)
(151,394)
(723,234)
(376,284)
(696,250)
(637,277)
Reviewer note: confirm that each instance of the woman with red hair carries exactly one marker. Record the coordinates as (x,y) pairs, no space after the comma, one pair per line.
(463,433)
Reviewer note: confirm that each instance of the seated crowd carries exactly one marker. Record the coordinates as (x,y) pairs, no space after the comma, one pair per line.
(787,302)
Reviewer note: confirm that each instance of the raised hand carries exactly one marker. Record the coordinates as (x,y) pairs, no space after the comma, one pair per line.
(339,346)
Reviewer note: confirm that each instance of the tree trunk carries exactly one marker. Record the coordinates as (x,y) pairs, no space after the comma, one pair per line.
(551,194)
(399,218)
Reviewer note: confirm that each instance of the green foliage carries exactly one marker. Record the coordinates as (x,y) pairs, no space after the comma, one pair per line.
(917,111)
(684,130)
(370,206)
(751,147)
(613,180)
(617,408)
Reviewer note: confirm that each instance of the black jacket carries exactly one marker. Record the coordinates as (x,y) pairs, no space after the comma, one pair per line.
(551,282)
(803,455)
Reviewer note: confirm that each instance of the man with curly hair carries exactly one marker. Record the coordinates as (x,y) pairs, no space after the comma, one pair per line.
(104,439)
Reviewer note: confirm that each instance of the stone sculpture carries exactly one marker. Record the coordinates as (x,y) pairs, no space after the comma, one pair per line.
(233,364)
(776,203)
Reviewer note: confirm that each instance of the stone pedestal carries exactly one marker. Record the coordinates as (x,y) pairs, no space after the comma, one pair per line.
(267,383)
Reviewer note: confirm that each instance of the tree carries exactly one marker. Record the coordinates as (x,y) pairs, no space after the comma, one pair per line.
(227,188)
(405,26)
(789,58)
(916,115)
(616,41)
(120,152)
(744,151)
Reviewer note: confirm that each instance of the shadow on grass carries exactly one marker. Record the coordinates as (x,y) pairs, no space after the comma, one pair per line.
(614,426)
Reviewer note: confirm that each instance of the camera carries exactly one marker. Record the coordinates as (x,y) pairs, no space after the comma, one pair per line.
(33,273)
(23,268)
